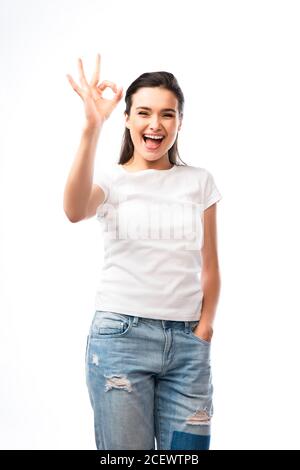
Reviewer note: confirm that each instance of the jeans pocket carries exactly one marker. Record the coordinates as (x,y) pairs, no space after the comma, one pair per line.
(110,324)
(193,325)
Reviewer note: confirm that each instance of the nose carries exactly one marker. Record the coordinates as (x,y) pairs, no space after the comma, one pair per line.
(155,124)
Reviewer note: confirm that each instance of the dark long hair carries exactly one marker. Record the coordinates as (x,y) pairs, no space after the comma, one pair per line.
(165,80)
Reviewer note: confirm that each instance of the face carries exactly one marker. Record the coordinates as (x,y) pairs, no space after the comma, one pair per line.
(161,118)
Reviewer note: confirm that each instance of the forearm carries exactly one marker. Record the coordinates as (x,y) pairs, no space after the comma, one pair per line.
(80,179)
(211,285)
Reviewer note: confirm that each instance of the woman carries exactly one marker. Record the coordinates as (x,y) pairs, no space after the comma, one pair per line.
(148,350)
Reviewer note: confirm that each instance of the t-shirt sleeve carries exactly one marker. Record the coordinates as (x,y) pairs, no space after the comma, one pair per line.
(102,179)
(211,194)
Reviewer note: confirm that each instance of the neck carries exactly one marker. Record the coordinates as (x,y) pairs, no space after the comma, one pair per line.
(136,164)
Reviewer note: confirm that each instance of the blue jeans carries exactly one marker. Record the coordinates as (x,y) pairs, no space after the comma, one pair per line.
(148,379)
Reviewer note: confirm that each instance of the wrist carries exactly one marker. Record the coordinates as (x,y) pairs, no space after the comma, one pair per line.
(93,128)
(205,330)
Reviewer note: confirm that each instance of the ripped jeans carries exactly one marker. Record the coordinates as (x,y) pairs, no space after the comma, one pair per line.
(148,380)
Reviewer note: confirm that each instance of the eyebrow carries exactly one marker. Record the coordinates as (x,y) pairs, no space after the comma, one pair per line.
(149,109)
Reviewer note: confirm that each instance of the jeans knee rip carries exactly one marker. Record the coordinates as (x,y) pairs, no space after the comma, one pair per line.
(201,416)
(117,381)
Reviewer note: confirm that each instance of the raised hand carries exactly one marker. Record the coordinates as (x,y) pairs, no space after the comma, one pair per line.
(97,109)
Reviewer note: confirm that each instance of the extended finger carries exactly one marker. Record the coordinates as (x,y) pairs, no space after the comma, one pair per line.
(96,77)
(82,78)
(74,85)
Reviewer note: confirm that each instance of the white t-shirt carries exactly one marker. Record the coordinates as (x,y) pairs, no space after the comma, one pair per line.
(152,223)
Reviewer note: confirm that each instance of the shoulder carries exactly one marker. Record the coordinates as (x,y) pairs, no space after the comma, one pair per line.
(108,171)
(191,170)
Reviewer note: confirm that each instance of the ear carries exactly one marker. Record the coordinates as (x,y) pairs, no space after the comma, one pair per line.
(126,119)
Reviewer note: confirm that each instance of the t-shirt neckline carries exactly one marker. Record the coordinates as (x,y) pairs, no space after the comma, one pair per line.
(168,170)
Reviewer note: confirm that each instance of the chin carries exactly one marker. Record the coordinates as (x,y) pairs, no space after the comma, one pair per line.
(153,159)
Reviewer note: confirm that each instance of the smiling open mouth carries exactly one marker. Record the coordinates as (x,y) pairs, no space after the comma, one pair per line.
(152,143)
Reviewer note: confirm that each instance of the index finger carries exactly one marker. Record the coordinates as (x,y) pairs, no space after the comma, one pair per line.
(96,76)
(82,78)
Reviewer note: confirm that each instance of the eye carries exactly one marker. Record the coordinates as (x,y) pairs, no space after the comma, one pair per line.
(166,115)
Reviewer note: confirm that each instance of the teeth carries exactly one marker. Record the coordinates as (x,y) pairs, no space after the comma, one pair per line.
(155,137)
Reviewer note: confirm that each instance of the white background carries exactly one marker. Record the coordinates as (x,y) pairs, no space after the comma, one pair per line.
(237,63)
